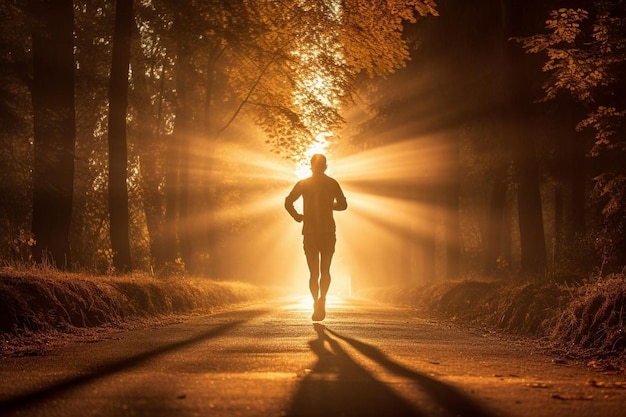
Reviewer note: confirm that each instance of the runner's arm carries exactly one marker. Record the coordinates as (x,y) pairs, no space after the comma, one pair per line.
(340,202)
(290,199)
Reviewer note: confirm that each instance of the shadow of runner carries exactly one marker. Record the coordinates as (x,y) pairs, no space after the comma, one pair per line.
(35,398)
(447,397)
(338,386)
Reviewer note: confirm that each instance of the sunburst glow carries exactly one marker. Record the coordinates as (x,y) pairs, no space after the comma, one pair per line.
(391,211)
(319,146)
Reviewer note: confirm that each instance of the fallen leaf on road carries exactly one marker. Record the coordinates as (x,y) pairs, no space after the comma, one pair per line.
(602,384)
(572,397)
(604,366)
(538,385)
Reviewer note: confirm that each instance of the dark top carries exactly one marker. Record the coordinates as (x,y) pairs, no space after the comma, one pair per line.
(321,194)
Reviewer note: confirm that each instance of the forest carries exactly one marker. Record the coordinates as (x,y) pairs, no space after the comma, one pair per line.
(481,138)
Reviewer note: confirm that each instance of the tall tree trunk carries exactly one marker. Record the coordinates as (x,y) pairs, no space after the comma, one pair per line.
(209,183)
(451,214)
(172,162)
(182,132)
(171,234)
(149,149)
(569,167)
(412,261)
(495,221)
(176,175)
(428,239)
(577,224)
(532,237)
(118,152)
(54,130)
(572,170)
(557,249)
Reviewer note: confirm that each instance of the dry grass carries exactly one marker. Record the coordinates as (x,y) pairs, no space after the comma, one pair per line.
(41,301)
(587,321)
(594,321)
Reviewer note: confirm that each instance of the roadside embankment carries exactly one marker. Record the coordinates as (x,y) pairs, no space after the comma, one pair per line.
(43,302)
(582,321)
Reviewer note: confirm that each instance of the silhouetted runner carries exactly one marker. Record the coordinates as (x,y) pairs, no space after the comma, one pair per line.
(321,194)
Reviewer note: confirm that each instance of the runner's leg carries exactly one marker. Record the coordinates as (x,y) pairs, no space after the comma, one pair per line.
(327,246)
(325,261)
(312,260)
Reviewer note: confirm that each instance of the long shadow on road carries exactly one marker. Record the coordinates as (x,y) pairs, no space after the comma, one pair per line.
(338,386)
(35,398)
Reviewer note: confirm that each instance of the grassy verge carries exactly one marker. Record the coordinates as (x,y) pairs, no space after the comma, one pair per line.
(35,302)
(586,321)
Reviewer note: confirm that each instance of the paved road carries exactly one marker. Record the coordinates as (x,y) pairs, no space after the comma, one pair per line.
(270,360)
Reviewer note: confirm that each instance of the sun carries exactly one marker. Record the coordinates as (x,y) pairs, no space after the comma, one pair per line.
(320,145)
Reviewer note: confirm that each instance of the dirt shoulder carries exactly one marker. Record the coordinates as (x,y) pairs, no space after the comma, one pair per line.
(584,321)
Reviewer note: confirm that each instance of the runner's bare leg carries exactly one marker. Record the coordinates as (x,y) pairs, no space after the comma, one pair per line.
(313,261)
(325,276)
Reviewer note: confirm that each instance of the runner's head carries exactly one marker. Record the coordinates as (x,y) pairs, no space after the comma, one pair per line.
(318,163)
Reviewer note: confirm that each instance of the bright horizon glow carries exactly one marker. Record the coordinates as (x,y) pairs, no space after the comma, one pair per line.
(305,303)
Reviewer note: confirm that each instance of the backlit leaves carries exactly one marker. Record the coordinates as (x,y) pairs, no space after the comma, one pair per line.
(372,37)
(586,59)
(606,122)
(316,49)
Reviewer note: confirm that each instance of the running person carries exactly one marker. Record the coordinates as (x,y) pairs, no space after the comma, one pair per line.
(321,194)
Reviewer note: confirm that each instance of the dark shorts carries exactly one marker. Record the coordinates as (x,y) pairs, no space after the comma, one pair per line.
(319,243)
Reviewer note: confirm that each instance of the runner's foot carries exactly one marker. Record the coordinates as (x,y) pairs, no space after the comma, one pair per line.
(318,310)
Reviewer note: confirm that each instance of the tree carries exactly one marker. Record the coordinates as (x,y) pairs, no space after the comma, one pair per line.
(585,60)
(149,145)
(118,153)
(530,215)
(93,32)
(15,133)
(54,130)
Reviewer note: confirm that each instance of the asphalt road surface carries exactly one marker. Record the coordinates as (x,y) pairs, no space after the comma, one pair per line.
(271,360)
